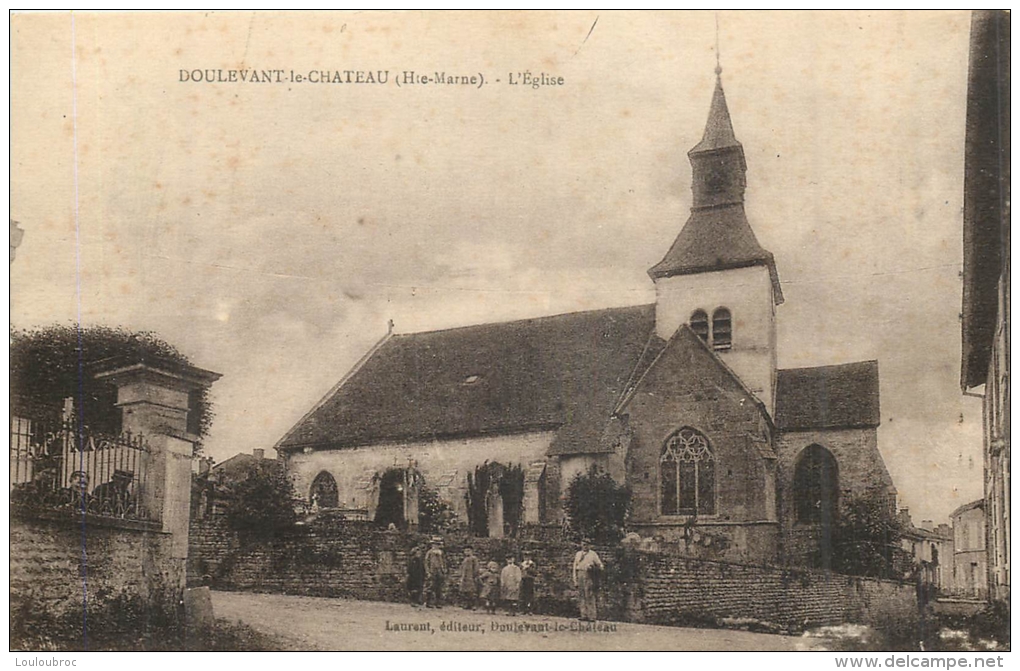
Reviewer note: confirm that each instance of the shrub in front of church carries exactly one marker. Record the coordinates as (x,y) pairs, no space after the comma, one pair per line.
(262,504)
(865,537)
(597,507)
(434,514)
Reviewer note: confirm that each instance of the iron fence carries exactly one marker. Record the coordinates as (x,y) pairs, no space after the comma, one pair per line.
(67,467)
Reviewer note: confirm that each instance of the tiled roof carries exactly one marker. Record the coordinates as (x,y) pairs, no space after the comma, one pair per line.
(719,129)
(716,239)
(828,397)
(564,372)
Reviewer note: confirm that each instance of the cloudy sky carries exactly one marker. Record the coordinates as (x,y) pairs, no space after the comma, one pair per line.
(271,230)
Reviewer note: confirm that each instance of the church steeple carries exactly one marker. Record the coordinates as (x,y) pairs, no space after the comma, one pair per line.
(717,277)
(717,236)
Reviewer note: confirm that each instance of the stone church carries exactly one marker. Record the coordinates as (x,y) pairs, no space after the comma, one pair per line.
(681,400)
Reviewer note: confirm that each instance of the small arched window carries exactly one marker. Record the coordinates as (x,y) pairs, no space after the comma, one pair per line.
(687,469)
(699,324)
(816,486)
(324,491)
(722,329)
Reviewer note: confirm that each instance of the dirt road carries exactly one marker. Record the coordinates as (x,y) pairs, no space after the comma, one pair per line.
(312,623)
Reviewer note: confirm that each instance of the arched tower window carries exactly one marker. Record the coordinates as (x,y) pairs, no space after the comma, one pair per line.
(324,491)
(699,324)
(722,329)
(816,486)
(687,469)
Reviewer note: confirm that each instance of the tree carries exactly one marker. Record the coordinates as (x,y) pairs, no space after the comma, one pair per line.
(53,363)
(597,507)
(865,536)
(508,482)
(263,503)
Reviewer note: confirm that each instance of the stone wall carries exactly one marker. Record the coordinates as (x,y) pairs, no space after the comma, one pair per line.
(357,561)
(677,590)
(59,568)
(343,559)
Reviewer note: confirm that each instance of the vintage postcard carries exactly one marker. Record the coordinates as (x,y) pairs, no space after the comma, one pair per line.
(509,331)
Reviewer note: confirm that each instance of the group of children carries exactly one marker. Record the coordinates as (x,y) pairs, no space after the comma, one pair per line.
(513,586)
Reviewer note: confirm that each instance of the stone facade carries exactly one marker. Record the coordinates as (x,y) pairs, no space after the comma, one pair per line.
(445,465)
(686,387)
(970,568)
(860,470)
(747,293)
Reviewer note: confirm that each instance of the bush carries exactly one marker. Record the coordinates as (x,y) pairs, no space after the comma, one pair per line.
(112,621)
(865,537)
(262,504)
(596,507)
(52,363)
(434,514)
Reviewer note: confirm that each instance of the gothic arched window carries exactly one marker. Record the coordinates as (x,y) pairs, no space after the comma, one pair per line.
(687,471)
(816,486)
(699,324)
(722,329)
(324,491)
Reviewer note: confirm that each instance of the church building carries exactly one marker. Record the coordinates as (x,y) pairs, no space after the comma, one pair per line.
(681,400)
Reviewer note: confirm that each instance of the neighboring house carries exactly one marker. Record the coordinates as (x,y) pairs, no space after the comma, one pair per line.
(931,550)
(240,466)
(970,567)
(680,399)
(986,274)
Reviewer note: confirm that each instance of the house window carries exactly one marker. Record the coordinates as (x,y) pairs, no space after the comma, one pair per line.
(687,468)
(722,329)
(816,486)
(699,324)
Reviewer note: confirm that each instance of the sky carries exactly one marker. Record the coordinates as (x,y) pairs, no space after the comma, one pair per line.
(271,230)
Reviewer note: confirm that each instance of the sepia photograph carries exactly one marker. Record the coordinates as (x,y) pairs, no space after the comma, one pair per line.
(510,331)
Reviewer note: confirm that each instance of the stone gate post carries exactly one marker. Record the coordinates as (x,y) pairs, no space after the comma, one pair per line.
(153,398)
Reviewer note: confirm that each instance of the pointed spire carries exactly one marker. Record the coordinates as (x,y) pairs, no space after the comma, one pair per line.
(719,129)
(717,236)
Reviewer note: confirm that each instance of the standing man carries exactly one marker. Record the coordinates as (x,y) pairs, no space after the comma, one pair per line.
(435,574)
(469,581)
(415,575)
(587,574)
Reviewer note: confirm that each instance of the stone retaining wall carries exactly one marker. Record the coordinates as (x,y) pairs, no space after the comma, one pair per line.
(355,560)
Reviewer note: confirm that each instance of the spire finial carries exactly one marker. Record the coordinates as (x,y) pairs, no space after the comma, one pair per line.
(718,65)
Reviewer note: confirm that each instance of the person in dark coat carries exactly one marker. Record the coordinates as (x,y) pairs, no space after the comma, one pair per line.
(528,573)
(415,576)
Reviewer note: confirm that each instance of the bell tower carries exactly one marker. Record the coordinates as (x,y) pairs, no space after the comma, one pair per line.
(716,276)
